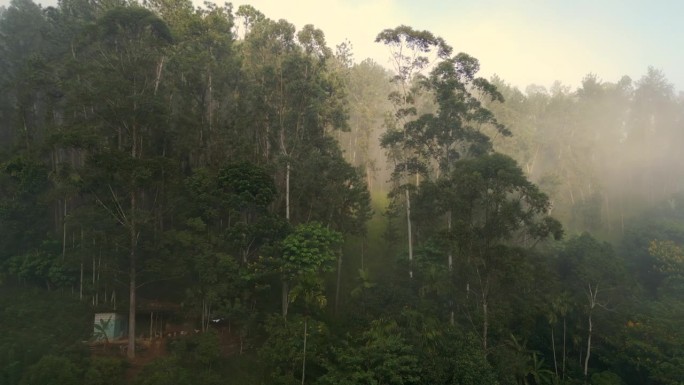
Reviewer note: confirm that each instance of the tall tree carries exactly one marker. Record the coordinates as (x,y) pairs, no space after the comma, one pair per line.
(122,65)
(598,279)
(501,213)
(410,52)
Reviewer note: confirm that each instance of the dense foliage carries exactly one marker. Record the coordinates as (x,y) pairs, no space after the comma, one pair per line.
(219,165)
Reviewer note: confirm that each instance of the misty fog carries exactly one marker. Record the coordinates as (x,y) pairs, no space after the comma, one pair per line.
(211,194)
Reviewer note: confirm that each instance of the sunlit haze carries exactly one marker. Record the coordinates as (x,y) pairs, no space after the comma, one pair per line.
(523,41)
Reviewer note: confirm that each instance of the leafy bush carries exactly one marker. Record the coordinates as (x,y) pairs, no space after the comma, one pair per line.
(105,371)
(36,323)
(52,370)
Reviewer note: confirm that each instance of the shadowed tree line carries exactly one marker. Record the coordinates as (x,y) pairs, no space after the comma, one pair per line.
(224,161)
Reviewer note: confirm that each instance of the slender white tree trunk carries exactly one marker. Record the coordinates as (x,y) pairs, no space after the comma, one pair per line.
(285,297)
(450,262)
(285,289)
(591,295)
(287,192)
(80,286)
(204,313)
(132,277)
(337,285)
(64,230)
(586,358)
(304,353)
(94,286)
(131,313)
(410,238)
(564,348)
(485,323)
(553,346)
(450,257)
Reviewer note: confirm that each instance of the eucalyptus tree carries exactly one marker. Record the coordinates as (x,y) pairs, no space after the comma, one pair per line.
(23,182)
(431,144)
(33,45)
(366,88)
(203,72)
(292,99)
(598,148)
(368,106)
(31,64)
(597,280)
(26,75)
(28,253)
(653,127)
(410,53)
(121,64)
(500,214)
(437,141)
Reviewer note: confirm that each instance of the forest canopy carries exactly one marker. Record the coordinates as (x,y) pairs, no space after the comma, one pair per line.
(256,205)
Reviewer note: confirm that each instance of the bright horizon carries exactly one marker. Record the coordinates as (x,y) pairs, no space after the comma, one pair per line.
(522,41)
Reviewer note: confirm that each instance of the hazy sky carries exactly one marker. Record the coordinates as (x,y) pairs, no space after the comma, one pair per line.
(523,41)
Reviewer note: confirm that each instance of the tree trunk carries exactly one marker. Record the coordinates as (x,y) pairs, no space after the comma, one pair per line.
(285,290)
(564,348)
(64,230)
(484,294)
(410,238)
(285,298)
(586,358)
(304,353)
(206,315)
(337,285)
(210,103)
(80,286)
(485,323)
(204,312)
(132,277)
(131,310)
(553,346)
(287,192)
(94,286)
(450,263)
(591,295)
(369,180)
(160,67)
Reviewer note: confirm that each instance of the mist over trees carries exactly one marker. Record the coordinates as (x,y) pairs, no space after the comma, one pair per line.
(604,152)
(305,216)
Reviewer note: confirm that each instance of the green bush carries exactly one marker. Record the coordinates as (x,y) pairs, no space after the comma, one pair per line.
(52,370)
(605,378)
(36,323)
(105,371)
(164,371)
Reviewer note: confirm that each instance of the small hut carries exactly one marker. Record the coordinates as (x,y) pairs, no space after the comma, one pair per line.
(109,326)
